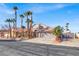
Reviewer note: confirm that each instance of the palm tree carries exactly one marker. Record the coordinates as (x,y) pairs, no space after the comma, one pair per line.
(9,22)
(31,22)
(15,10)
(22,16)
(28,29)
(13,27)
(57,31)
(27,14)
(23,27)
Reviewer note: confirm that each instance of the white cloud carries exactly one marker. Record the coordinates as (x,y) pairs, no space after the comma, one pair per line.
(41,8)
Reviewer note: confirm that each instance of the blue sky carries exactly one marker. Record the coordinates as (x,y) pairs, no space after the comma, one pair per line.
(51,14)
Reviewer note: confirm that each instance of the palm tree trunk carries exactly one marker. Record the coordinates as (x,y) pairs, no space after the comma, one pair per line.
(31,30)
(10,30)
(15,24)
(21,28)
(28,32)
(13,29)
(31,27)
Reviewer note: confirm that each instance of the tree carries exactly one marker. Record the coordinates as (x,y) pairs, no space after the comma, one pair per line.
(23,27)
(13,27)
(15,8)
(9,22)
(57,31)
(21,16)
(31,22)
(27,14)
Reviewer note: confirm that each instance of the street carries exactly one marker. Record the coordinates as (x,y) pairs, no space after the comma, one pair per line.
(18,48)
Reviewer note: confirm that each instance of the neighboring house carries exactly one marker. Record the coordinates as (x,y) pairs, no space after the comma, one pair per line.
(4,33)
(40,30)
(77,35)
(67,36)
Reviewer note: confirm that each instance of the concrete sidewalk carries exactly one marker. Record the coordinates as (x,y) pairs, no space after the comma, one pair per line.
(72,42)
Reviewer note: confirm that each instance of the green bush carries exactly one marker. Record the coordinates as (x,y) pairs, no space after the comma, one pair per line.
(57,31)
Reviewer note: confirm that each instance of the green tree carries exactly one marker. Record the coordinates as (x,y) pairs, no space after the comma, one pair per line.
(13,27)
(31,22)
(57,31)
(23,27)
(9,23)
(15,8)
(27,14)
(21,16)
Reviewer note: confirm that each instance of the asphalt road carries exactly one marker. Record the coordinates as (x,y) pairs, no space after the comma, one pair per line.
(17,48)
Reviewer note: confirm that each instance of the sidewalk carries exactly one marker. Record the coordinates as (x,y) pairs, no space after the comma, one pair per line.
(73,42)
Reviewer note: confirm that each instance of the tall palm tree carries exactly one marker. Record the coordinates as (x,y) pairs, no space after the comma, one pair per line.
(21,16)
(31,22)
(9,22)
(13,21)
(15,8)
(28,28)
(27,14)
(23,27)
(13,27)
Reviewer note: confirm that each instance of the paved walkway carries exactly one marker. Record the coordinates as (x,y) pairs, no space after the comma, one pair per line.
(72,42)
